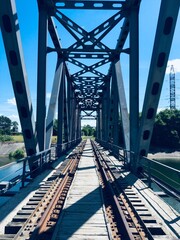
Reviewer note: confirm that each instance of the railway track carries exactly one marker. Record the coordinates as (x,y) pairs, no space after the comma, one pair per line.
(129,217)
(126,213)
(38,218)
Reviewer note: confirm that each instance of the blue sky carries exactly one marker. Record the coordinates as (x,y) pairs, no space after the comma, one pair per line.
(28,21)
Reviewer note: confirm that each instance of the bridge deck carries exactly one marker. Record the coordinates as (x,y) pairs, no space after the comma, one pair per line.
(83,215)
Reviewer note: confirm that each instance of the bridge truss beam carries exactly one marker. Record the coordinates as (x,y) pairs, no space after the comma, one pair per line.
(162,45)
(89,88)
(13,47)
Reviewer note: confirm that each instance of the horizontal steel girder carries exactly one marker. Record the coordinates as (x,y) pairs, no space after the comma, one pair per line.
(102,5)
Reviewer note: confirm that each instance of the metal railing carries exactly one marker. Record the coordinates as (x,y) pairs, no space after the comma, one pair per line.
(161,172)
(41,161)
(154,171)
(62,148)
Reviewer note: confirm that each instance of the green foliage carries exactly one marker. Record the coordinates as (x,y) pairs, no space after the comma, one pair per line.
(5,138)
(11,155)
(7,127)
(14,127)
(19,153)
(166,131)
(87,130)
(55,127)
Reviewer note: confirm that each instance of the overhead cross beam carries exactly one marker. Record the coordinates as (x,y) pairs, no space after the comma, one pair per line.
(88,42)
(93,5)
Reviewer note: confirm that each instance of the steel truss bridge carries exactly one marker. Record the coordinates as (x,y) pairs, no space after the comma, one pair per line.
(96,89)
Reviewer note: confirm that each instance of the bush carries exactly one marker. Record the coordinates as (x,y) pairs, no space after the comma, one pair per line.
(11,155)
(18,154)
(5,138)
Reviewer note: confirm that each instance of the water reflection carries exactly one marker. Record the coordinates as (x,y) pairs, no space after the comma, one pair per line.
(10,171)
(172,162)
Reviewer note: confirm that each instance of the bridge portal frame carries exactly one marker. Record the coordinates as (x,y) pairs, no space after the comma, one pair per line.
(71,90)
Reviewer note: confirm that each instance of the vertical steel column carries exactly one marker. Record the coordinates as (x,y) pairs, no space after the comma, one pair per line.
(107,104)
(66,122)
(75,120)
(115,112)
(60,115)
(79,122)
(162,45)
(72,114)
(134,76)
(98,123)
(110,115)
(78,135)
(53,101)
(41,77)
(117,75)
(69,103)
(103,115)
(13,47)
(105,110)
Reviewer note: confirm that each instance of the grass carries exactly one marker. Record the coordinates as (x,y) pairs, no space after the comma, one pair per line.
(54,139)
(86,137)
(18,138)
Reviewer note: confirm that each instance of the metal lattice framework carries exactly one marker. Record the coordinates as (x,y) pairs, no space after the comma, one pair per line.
(172,88)
(99,94)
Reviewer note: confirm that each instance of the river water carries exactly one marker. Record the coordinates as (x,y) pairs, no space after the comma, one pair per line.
(171,162)
(10,171)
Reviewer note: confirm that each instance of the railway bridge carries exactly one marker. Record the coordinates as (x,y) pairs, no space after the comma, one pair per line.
(96,186)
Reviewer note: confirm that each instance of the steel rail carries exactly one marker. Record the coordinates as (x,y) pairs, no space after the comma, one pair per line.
(44,217)
(121,204)
(120,218)
(42,226)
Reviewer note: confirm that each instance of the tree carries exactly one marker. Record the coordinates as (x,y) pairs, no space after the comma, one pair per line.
(14,128)
(88,130)
(166,131)
(5,125)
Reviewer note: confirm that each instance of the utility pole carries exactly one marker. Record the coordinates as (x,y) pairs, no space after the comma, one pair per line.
(172,88)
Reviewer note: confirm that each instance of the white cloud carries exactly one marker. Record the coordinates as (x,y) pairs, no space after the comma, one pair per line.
(14,117)
(92,123)
(11,101)
(161,109)
(175,63)
(48,95)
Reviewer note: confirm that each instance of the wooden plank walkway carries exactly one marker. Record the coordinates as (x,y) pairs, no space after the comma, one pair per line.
(83,215)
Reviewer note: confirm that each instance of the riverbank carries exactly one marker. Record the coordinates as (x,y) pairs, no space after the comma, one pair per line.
(157,153)
(160,155)
(7,147)
(7,164)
